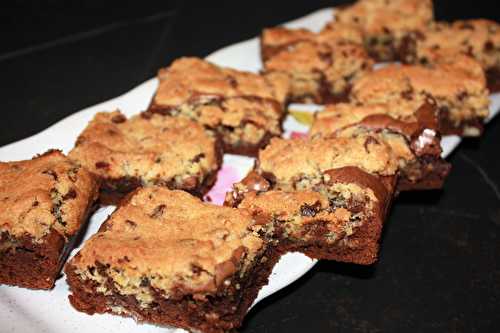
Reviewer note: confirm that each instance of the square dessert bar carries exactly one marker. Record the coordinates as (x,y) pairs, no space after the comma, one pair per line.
(164,257)
(320,67)
(276,39)
(410,127)
(479,39)
(326,197)
(458,87)
(387,24)
(147,149)
(243,108)
(44,202)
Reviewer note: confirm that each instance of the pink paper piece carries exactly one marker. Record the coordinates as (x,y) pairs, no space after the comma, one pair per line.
(226,177)
(297,135)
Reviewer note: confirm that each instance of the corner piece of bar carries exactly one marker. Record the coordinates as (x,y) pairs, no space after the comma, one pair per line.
(165,257)
(44,204)
(409,127)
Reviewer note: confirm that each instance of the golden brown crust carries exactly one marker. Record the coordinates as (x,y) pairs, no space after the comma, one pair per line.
(187,79)
(177,153)
(274,40)
(479,39)
(385,24)
(458,87)
(243,108)
(321,67)
(302,163)
(339,218)
(174,240)
(411,133)
(45,194)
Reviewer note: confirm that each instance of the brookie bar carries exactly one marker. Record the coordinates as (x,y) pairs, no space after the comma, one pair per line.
(243,108)
(457,85)
(321,67)
(411,130)
(145,150)
(326,197)
(164,257)
(387,24)
(479,39)
(44,203)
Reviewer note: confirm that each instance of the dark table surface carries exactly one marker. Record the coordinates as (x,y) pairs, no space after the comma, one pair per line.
(439,269)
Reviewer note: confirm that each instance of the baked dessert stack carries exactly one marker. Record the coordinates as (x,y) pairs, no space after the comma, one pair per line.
(167,258)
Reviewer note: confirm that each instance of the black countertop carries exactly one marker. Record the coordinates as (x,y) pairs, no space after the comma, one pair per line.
(439,269)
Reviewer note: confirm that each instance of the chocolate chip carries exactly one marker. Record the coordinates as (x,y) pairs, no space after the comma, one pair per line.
(80,140)
(462,95)
(310,210)
(118,119)
(488,46)
(326,57)
(145,282)
(51,173)
(370,140)
(466,26)
(35,203)
(158,211)
(131,223)
(407,94)
(72,173)
(70,195)
(232,81)
(101,165)
(197,158)
(424,61)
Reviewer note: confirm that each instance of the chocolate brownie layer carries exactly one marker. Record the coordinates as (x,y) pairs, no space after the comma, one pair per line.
(458,86)
(321,67)
(386,24)
(243,108)
(340,219)
(147,150)
(411,132)
(479,39)
(167,258)
(44,202)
